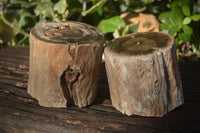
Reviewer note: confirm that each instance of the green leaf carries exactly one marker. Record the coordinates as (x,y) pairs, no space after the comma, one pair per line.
(175,3)
(162,16)
(110,24)
(184,37)
(148,1)
(22,20)
(195,17)
(118,32)
(170,20)
(94,8)
(187,30)
(100,11)
(139,9)
(187,20)
(164,26)
(44,9)
(176,16)
(39,23)
(177,41)
(14,41)
(60,6)
(186,10)
(173,29)
(186,2)
(132,28)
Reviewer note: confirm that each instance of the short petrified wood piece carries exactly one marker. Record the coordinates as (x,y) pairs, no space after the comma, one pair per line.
(143,74)
(65,59)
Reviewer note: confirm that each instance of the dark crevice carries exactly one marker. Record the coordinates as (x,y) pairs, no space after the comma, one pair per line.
(167,83)
(68,78)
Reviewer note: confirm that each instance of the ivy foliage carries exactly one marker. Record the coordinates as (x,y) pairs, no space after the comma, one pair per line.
(20,16)
(180,18)
(182,22)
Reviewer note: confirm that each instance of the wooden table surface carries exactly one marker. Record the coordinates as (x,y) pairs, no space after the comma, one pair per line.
(19,112)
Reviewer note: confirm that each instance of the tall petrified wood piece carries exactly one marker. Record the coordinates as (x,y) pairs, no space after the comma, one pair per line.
(65,59)
(143,74)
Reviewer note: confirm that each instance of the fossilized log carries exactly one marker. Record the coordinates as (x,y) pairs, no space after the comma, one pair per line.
(65,60)
(143,74)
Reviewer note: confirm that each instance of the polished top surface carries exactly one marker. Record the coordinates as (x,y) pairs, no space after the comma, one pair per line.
(140,43)
(67,32)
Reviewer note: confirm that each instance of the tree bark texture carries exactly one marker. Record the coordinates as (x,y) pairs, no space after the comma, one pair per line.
(65,61)
(143,74)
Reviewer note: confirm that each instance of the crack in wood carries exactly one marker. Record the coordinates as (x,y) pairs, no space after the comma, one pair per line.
(68,79)
(71,76)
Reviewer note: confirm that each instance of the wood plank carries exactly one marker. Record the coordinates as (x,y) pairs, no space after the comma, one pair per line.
(19,112)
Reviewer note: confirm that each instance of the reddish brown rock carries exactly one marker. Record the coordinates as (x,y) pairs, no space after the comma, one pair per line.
(65,61)
(143,74)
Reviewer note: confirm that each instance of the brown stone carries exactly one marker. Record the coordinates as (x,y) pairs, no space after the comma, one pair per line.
(143,74)
(147,22)
(65,59)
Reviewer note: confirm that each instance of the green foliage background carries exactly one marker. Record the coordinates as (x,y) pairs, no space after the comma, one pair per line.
(179,18)
(182,22)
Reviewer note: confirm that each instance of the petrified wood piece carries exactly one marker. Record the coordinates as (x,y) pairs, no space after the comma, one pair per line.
(143,74)
(19,113)
(65,60)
